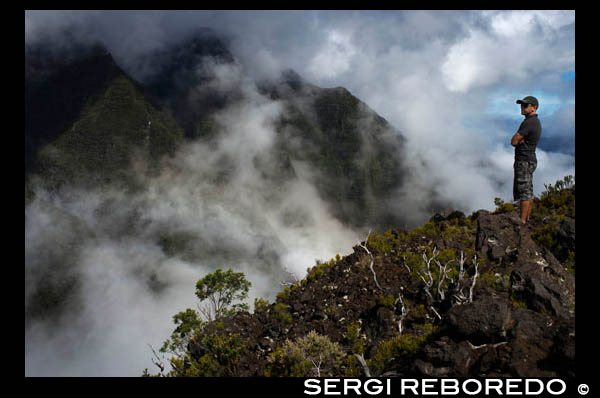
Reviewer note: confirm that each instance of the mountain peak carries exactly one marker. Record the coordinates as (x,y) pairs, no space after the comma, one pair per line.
(57,86)
(292,79)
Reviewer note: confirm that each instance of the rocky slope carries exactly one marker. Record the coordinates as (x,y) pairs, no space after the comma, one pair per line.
(510,311)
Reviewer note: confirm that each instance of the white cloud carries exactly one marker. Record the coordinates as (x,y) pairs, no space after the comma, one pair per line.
(432,75)
(512,49)
(520,23)
(334,57)
(467,64)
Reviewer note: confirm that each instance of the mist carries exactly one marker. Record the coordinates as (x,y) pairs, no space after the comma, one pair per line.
(130,287)
(441,77)
(446,80)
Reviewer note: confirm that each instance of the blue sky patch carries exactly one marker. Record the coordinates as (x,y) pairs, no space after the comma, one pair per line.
(503,102)
(565,77)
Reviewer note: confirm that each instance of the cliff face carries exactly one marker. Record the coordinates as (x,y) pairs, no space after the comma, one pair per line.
(493,303)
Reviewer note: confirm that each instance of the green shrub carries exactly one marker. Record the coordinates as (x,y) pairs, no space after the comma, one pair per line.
(555,205)
(353,338)
(387,301)
(352,367)
(383,243)
(570,262)
(223,352)
(321,267)
(414,262)
(315,273)
(499,283)
(428,230)
(284,293)
(260,305)
(519,304)
(404,345)
(503,207)
(220,289)
(281,313)
(308,356)
(567,182)
(419,312)
(451,230)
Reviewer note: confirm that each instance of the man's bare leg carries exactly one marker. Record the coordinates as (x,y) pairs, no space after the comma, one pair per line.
(525,206)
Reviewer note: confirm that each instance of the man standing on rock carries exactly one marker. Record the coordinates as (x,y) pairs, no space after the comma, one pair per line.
(525,141)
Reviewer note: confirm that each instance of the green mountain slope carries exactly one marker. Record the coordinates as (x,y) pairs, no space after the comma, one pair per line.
(359,155)
(57,87)
(112,129)
(89,128)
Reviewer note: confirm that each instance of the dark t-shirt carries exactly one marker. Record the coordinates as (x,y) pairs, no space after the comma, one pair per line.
(531,129)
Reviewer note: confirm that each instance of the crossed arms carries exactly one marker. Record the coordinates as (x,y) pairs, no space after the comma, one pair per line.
(517,139)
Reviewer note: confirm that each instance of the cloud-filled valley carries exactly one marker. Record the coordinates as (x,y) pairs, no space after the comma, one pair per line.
(128,260)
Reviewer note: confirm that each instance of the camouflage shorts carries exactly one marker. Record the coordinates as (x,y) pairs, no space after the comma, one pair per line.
(523,182)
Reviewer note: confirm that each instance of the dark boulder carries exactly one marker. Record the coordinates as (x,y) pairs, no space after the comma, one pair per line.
(446,357)
(566,234)
(481,321)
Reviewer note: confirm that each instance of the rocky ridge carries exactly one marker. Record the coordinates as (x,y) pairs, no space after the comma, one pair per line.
(381,305)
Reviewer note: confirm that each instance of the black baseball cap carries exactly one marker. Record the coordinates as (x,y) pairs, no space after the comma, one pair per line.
(529,100)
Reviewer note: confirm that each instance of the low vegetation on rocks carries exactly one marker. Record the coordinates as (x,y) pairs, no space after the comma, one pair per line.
(476,295)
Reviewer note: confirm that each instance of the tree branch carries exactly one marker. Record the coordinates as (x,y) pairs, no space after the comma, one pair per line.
(428,284)
(438,315)
(474,280)
(159,363)
(372,259)
(442,275)
(362,361)
(403,312)
(317,366)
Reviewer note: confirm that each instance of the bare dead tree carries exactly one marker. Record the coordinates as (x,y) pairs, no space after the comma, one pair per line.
(406,265)
(403,312)
(428,283)
(458,295)
(317,366)
(436,313)
(442,276)
(461,262)
(372,260)
(362,361)
(496,345)
(474,280)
